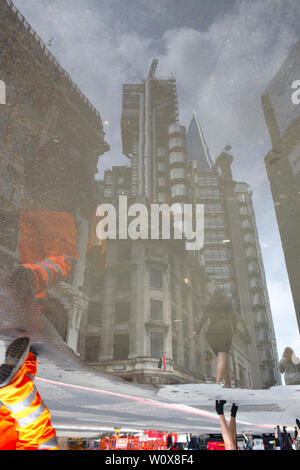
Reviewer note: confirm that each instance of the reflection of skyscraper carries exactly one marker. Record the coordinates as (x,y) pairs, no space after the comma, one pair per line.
(283,163)
(232,252)
(153,292)
(196,146)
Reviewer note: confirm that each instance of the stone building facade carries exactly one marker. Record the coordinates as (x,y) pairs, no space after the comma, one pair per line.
(50,140)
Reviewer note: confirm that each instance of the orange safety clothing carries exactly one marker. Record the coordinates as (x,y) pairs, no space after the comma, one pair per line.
(25,405)
(44,234)
(8,433)
(46,273)
(47,247)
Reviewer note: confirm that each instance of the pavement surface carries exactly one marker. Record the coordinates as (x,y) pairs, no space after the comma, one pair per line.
(83,400)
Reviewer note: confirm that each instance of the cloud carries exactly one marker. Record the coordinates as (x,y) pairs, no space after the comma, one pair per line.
(221,72)
(224,70)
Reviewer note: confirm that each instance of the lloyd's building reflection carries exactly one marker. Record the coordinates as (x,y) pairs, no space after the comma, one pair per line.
(153,292)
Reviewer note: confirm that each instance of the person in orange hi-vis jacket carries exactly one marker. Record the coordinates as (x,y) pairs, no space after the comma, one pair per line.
(25,421)
(48,250)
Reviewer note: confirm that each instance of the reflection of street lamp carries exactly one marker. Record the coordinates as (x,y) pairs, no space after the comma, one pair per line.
(186,280)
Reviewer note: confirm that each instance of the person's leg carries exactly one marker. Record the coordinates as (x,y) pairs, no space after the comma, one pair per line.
(232,424)
(223,369)
(226,372)
(220,367)
(229,442)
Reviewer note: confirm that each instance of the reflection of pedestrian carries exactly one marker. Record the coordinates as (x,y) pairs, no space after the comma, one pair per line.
(222,325)
(290,366)
(48,250)
(25,421)
(248,441)
(284,439)
(297,437)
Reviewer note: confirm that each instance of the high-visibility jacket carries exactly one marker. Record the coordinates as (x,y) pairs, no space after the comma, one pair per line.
(45,234)
(48,248)
(23,404)
(8,433)
(47,272)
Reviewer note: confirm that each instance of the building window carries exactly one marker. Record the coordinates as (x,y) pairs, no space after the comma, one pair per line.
(161,167)
(156,309)
(107,192)
(199,363)
(92,346)
(178,190)
(94,285)
(122,312)
(220,254)
(246,224)
(248,238)
(162,181)
(207,180)
(156,344)
(184,297)
(108,179)
(253,267)
(219,272)
(243,210)
(122,192)
(177,173)
(214,222)
(177,157)
(213,209)
(209,194)
(124,281)
(255,283)
(172,262)
(156,279)
(251,252)
(174,351)
(213,237)
(227,289)
(151,253)
(121,347)
(187,363)
(195,310)
(185,325)
(94,313)
(257,299)
(124,253)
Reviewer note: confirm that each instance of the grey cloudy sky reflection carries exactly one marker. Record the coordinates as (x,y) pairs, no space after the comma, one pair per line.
(222,54)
